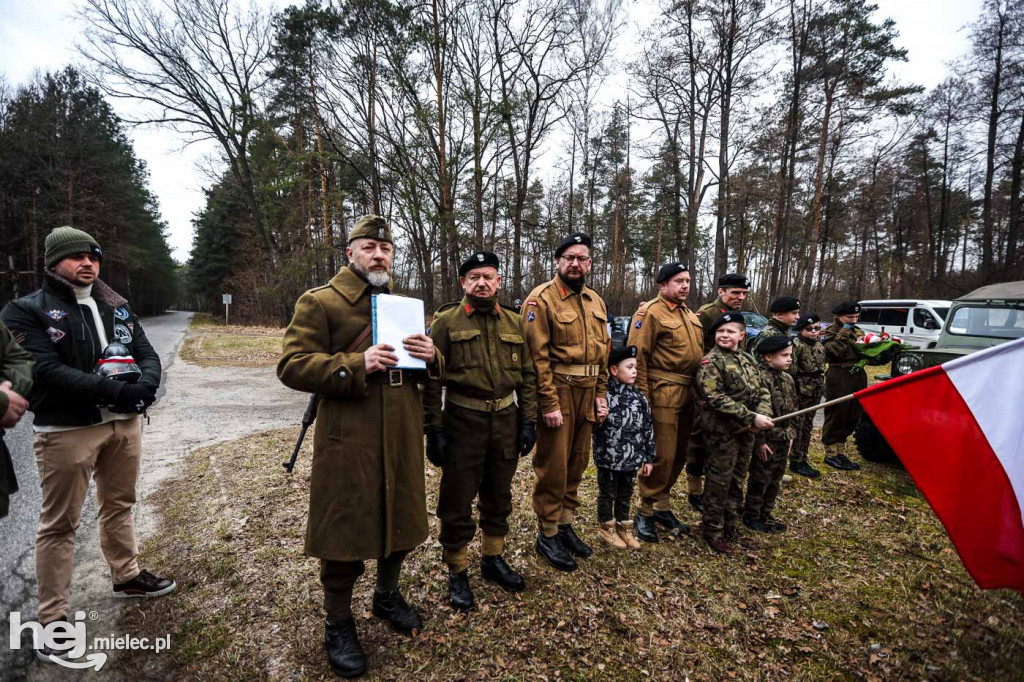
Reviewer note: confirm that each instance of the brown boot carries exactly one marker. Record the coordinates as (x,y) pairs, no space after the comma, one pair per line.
(733,536)
(606,531)
(718,545)
(625,531)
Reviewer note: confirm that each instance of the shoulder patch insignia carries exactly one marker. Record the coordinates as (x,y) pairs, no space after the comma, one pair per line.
(56,315)
(121,313)
(531,316)
(531,302)
(122,334)
(705,361)
(19,337)
(641,312)
(55,334)
(638,324)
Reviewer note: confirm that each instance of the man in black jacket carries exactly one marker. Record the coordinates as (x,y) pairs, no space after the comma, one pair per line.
(87,426)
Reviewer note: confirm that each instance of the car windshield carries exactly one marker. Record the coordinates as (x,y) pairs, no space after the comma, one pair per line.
(755,320)
(995,320)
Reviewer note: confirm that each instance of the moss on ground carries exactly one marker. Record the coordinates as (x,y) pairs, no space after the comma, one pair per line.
(211,343)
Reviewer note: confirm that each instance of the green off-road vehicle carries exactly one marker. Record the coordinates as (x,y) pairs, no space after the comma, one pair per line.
(984,318)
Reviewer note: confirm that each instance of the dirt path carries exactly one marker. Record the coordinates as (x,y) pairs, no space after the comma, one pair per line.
(200,406)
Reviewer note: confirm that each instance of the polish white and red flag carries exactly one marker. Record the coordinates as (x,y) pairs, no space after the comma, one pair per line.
(958,428)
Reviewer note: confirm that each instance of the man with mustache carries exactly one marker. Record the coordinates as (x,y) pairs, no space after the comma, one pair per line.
(86,425)
(567,330)
(488,423)
(366,488)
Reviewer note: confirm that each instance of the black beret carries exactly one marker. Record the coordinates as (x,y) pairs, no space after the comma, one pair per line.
(734,279)
(572,240)
(726,318)
(847,308)
(773,344)
(784,304)
(480,259)
(617,355)
(806,320)
(669,271)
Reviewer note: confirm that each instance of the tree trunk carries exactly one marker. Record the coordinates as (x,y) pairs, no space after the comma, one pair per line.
(814,221)
(987,219)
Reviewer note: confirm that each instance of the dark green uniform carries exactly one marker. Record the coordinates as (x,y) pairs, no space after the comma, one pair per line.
(808,369)
(841,420)
(490,387)
(773,328)
(765,477)
(730,384)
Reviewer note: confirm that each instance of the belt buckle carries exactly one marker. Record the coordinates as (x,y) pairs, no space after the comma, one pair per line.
(492,405)
(392,373)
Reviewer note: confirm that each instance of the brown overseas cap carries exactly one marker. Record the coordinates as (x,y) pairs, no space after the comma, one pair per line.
(371,227)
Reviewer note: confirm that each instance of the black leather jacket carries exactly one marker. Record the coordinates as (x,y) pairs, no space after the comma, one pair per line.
(61,335)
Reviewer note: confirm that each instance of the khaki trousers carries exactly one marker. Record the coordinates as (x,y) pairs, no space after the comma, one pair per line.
(66,460)
(561,457)
(672,428)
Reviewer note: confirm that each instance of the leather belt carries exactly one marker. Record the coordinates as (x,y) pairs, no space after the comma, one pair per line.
(477,404)
(671,377)
(391,377)
(577,370)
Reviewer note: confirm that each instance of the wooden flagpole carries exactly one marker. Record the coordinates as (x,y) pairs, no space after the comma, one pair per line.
(828,403)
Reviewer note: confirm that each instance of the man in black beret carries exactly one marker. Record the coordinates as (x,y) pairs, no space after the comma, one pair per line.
(488,422)
(669,342)
(841,354)
(785,310)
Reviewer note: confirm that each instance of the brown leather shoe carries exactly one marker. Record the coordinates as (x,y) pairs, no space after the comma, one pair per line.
(625,531)
(732,535)
(719,545)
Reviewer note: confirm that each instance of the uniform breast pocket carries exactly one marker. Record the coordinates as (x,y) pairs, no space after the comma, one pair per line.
(466,348)
(670,335)
(566,328)
(511,350)
(600,326)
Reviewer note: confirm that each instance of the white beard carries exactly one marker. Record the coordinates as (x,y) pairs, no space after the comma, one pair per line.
(378,278)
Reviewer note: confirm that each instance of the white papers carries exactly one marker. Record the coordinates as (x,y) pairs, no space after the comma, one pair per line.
(396,318)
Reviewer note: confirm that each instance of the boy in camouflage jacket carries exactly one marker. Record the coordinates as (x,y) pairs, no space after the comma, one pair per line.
(771,447)
(623,444)
(734,397)
(809,371)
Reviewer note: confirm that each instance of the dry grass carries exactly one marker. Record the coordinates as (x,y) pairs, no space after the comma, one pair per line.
(864,585)
(211,343)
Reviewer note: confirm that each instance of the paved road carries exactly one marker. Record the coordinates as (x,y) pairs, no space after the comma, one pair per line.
(17,531)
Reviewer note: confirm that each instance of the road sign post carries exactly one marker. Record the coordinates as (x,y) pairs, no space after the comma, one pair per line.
(227,305)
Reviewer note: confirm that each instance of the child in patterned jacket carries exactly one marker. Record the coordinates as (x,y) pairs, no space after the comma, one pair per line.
(623,444)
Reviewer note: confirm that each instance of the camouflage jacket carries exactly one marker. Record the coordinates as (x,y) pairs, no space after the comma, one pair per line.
(625,440)
(782,389)
(730,385)
(773,328)
(808,367)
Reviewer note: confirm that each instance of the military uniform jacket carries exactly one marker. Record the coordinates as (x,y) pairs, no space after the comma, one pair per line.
(366,489)
(708,313)
(782,389)
(731,386)
(773,328)
(566,328)
(486,357)
(839,344)
(625,440)
(668,337)
(808,367)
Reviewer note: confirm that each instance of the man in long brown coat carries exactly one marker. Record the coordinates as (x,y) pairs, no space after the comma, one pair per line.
(367,497)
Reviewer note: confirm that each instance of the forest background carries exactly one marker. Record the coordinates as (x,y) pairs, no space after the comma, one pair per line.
(769,138)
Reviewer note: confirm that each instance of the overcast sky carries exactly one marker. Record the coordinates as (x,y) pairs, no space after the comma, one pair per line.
(40,35)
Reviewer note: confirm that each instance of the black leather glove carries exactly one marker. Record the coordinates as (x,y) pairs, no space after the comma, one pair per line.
(527,438)
(133,399)
(436,447)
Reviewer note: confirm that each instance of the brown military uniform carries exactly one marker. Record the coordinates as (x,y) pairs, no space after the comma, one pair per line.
(841,420)
(708,313)
(668,338)
(490,387)
(568,336)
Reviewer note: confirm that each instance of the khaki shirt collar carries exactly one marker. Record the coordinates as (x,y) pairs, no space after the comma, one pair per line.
(350,285)
(672,306)
(566,291)
(468,308)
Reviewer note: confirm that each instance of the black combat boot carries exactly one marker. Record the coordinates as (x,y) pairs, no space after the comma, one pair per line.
(756,525)
(804,469)
(554,553)
(495,569)
(645,528)
(774,525)
(344,652)
(572,542)
(392,608)
(668,520)
(847,462)
(697,502)
(459,592)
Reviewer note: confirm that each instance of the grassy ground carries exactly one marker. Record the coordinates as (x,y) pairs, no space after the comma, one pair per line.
(864,585)
(211,343)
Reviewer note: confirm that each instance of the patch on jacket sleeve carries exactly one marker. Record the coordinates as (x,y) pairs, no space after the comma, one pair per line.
(54,334)
(121,313)
(122,334)
(19,337)
(705,361)
(531,316)
(56,315)
(638,324)
(531,302)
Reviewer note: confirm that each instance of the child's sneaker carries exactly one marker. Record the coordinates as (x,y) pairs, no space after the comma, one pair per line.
(606,532)
(625,530)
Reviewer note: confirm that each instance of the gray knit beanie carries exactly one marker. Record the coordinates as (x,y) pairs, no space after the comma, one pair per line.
(67,241)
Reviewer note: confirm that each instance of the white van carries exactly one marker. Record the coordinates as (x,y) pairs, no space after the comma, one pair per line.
(917,322)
